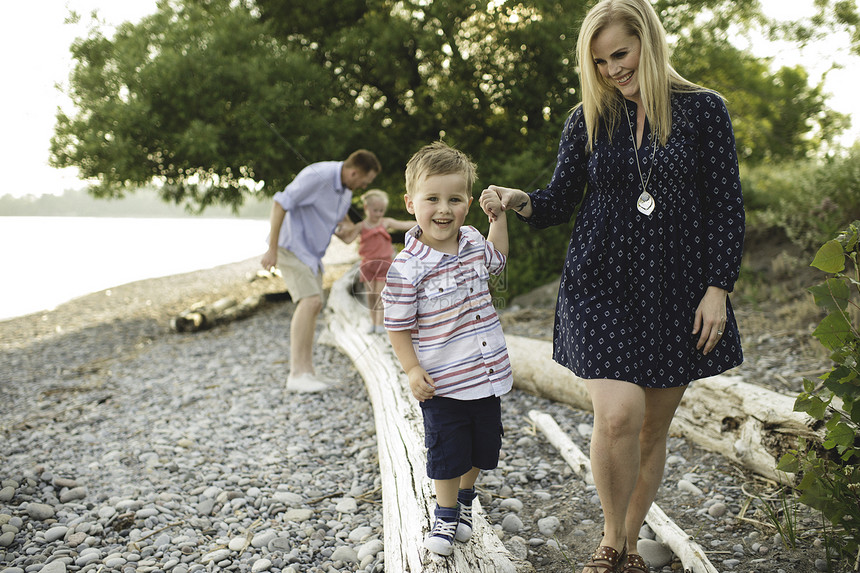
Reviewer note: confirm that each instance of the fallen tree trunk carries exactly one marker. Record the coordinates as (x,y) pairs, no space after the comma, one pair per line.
(690,553)
(204,316)
(407,496)
(748,424)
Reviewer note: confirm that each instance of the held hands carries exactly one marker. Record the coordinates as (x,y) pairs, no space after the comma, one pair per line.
(491,203)
(710,321)
(511,200)
(421,384)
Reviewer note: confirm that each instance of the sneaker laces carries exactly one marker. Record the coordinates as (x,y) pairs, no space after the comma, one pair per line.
(466,513)
(444,528)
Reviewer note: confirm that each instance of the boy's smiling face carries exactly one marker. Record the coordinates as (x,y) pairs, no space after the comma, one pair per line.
(440,204)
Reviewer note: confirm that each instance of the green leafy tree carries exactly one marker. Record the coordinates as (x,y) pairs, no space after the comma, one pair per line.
(777,116)
(219,100)
(184,98)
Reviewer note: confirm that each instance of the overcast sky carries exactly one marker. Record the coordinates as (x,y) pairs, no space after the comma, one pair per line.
(34,41)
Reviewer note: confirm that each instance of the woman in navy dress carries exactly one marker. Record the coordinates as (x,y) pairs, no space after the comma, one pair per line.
(643,305)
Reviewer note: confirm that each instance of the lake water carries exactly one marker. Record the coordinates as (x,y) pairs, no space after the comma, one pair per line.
(45,261)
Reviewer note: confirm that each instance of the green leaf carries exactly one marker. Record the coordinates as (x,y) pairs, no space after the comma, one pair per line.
(832,294)
(788,463)
(830,258)
(812,405)
(848,239)
(839,436)
(833,331)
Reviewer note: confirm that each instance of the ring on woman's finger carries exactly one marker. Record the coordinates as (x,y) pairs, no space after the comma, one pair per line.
(719,332)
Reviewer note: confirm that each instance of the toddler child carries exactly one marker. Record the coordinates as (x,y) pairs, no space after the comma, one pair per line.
(375,249)
(447,336)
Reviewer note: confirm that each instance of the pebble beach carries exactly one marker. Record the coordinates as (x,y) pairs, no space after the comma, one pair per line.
(128,447)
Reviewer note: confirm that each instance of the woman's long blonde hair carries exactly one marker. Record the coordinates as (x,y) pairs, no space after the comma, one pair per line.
(657,78)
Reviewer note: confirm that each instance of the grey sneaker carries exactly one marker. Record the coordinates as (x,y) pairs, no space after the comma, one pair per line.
(305,383)
(441,538)
(465,497)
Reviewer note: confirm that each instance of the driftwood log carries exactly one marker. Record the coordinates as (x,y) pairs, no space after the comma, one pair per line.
(407,495)
(690,553)
(204,316)
(748,424)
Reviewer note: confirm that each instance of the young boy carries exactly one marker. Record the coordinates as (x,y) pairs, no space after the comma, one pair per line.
(446,333)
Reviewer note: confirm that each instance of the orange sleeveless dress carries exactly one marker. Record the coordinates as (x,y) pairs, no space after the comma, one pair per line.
(376,252)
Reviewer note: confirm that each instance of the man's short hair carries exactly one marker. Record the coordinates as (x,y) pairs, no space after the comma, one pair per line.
(363,160)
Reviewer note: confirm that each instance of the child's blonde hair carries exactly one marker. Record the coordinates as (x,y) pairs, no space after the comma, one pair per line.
(439,158)
(372,194)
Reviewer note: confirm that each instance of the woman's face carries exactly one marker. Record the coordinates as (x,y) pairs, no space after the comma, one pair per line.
(616,55)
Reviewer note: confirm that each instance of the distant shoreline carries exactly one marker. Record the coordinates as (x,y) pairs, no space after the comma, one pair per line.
(145,305)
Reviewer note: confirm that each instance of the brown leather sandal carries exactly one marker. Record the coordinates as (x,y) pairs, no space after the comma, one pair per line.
(607,559)
(635,564)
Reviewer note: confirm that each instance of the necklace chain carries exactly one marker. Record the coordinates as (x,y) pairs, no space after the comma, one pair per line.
(644,181)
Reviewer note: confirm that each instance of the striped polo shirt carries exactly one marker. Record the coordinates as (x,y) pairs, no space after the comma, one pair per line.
(445,301)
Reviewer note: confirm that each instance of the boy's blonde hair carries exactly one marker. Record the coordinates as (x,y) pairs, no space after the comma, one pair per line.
(438,158)
(601,106)
(372,194)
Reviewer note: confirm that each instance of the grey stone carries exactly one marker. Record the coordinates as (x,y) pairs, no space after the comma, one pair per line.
(549,525)
(517,546)
(345,553)
(370,548)
(360,533)
(6,494)
(7,539)
(215,556)
(288,498)
(687,486)
(263,538)
(347,505)
(261,565)
(298,515)
(55,533)
(718,509)
(512,524)
(654,553)
(40,511)
(205,507)
(511,504)
(56,566)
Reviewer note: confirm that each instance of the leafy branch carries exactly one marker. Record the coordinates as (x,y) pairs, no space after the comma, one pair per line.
(831,471)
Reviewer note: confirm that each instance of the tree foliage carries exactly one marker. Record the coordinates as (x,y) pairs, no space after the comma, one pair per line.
(218,100)
(831,473)
(185,98)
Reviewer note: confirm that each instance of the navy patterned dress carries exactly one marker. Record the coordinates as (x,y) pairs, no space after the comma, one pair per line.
(631,283)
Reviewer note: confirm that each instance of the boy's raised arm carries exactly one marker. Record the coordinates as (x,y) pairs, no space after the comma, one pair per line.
(498,234)
(491,203)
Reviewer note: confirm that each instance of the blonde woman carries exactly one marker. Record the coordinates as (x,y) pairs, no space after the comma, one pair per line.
(643,306)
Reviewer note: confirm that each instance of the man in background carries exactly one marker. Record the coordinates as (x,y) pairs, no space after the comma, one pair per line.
(305,215)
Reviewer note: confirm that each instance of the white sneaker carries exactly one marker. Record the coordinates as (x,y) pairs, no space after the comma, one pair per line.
(379,329)
(305,383)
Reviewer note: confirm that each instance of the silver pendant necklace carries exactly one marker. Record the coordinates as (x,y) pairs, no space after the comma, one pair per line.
(645,203)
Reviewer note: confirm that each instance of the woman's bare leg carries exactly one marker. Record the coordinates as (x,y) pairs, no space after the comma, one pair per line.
(619,412)
(660,406)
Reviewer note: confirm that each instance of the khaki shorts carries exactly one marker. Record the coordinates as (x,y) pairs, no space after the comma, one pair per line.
(301,281)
